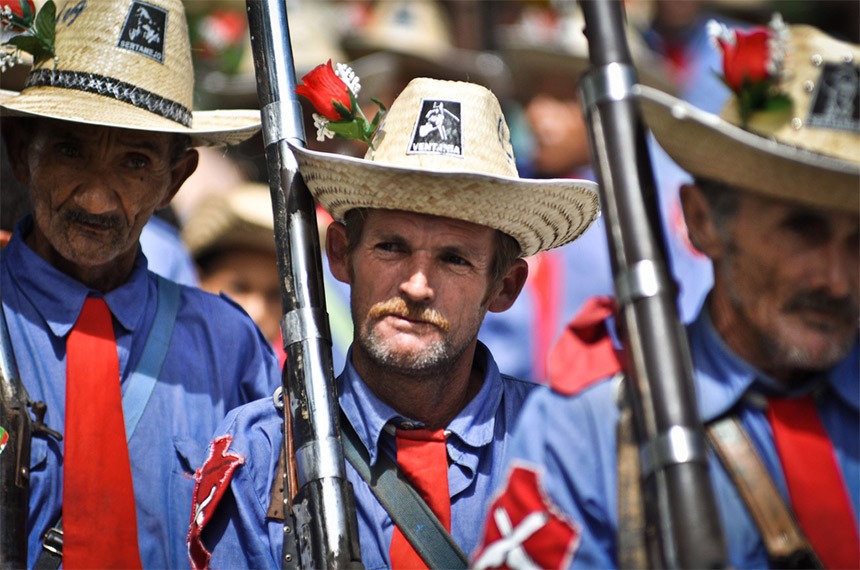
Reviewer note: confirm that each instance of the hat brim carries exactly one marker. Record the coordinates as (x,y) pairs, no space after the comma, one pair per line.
(710,147)
(209,128)
(539,214)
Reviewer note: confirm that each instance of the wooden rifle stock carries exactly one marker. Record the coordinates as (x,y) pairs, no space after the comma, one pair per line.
(683,529)
(323,507)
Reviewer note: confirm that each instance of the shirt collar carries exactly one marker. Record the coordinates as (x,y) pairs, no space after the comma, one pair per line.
(474,425)
(59,298)
(724,378)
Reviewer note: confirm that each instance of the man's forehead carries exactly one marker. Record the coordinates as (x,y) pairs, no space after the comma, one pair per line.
(88,132)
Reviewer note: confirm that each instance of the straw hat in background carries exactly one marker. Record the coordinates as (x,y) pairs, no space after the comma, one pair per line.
(548,49)
(125,64)
(416,35)
(241,218)
(444,149)
(807,153)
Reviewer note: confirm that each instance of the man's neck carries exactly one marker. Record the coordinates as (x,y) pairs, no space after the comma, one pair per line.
(432,399)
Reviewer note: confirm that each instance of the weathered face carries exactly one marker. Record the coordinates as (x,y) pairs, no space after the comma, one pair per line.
(249,277)
(93,188)
(787,276)
(420,287)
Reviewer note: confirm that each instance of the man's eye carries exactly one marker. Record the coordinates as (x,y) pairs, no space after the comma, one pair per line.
(389,246)
(69,150)
(809,227)
(456,260)
(138,161)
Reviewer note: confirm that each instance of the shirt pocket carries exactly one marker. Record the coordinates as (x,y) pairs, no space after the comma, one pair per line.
(190,454)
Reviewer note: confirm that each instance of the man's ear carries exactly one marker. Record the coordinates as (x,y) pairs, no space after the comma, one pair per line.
(336,248)
(181,170)
(700,221)
(511,286)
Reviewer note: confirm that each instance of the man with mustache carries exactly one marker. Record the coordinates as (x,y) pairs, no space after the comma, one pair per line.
(136,371)
(775,207)
(430,236)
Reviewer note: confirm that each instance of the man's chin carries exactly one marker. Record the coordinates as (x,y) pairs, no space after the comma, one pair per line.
(810,348)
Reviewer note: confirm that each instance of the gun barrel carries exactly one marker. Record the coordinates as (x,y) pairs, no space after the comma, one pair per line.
(323,506)
(679,502)
(14,457)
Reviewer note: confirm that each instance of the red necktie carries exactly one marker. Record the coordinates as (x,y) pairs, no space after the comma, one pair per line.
(423,457)
(815,484)
(99,519)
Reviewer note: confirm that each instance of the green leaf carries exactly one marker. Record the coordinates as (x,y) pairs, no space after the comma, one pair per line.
(347,129)
(347,114)
(28,43)
(46,24)
(26,12)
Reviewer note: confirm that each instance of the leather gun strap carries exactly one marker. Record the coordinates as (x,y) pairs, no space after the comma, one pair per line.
(780,532)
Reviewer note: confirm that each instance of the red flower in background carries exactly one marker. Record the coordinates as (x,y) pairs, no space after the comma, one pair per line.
(323,88)
(746,60)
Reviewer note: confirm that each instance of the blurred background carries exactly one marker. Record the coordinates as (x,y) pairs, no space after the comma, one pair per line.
(530,53)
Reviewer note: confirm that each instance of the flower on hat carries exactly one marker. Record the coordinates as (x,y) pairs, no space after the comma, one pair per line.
(752,65)
(22,29)
(333,96)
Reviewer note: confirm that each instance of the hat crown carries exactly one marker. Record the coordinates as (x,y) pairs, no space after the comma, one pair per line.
(134,51)
(445,126)
(822,79)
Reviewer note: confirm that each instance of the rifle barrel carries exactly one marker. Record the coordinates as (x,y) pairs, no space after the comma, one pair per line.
(680,507)
(324,510)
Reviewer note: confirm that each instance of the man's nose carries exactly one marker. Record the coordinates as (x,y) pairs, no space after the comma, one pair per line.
(96,193)
(416,285)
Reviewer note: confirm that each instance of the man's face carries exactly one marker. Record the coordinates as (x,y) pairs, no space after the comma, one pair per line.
(249,277)
(559,134)
(419,289)
(93,188)
(788,276)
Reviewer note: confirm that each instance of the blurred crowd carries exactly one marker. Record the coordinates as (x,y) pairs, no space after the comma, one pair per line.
(218,232)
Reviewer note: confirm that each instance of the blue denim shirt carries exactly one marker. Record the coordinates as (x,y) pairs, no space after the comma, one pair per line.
(217,359)
(239,534)
(570,442)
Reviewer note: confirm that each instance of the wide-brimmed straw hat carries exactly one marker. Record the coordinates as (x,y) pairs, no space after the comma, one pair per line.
(809,155)
(444,149)
(125,64)
(241,218)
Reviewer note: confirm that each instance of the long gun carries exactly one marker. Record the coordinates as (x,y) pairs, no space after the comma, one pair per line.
(682,524)
(319,498)
(14,457)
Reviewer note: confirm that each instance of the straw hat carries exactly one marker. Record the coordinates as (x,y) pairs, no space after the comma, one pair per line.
(547,44)
(417,35)
(444,149)
(125,64)
(239,218)
(809,155)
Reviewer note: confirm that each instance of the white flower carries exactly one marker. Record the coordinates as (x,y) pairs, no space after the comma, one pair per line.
(348,76)
(321,124)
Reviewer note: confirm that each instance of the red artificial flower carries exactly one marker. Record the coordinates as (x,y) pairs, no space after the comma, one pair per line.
(23,10)
(745,61)
(322,87)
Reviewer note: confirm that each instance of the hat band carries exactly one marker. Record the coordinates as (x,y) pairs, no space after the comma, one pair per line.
(110,87)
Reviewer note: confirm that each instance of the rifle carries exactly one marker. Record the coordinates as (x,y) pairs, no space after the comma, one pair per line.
(319,498)
(682,525)
(14,456)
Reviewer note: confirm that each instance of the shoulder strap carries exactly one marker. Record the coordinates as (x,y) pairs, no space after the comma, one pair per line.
(631,548)
(407,509)
(143,379)
(786,545)
(139,388)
